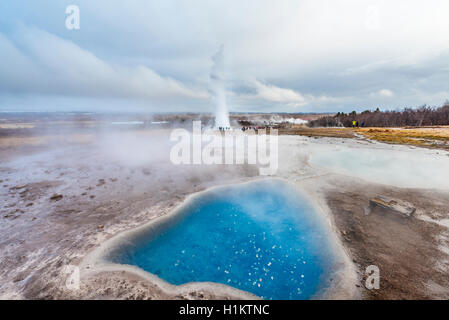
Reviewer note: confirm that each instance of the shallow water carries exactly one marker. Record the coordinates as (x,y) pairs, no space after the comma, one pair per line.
(262,237)
(398,166)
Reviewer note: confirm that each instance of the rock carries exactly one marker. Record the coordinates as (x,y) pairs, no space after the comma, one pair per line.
(100,226)
(367,210)
(19,187)
(400,207)
(29,204)
(56,197)
(101,182)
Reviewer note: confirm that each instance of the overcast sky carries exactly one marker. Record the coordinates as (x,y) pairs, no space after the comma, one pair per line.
(280,56)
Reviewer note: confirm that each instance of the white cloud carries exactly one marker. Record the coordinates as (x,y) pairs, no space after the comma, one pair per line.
(51,65)
(272,97)
(317,55)
(386,93)
(272,93)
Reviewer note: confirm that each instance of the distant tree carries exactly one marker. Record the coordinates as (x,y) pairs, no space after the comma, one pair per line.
(421,116)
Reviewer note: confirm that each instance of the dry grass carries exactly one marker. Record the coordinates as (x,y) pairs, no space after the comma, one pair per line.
(317,132)
(12,142)
(16,125)
(431,137)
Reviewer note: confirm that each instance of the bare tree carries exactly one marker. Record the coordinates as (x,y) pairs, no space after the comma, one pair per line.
(421,116)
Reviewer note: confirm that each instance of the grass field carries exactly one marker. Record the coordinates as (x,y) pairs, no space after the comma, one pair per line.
(431,137)
(302,130)
(19,134)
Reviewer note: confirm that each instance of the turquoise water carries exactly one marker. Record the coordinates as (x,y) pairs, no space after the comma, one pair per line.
(262,237)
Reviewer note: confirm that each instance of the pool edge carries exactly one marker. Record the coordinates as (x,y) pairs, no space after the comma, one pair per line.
(345,276)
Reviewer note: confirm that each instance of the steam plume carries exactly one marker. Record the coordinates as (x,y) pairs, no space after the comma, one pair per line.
(218,89)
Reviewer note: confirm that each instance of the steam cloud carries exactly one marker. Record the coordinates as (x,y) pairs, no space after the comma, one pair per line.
(217,87)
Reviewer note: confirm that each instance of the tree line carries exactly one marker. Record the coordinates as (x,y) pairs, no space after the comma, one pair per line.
(414,117)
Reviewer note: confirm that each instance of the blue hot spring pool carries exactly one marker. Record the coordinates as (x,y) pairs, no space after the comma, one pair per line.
(262,237)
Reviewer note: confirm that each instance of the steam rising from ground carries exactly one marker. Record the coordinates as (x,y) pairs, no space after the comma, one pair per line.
(399,166)
(217,87)
(116,177)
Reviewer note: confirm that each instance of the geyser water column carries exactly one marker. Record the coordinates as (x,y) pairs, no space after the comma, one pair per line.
(217,86)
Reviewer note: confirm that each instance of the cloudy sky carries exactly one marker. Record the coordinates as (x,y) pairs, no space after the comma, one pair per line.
(280,56)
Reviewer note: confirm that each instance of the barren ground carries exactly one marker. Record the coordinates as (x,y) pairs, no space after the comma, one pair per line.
(103,194)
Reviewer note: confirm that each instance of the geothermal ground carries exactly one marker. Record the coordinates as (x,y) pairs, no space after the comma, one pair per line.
(64,193)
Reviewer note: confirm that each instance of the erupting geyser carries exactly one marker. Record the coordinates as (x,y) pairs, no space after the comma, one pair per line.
(217,87)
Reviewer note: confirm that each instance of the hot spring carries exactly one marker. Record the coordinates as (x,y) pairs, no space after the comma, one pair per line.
(262,237)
